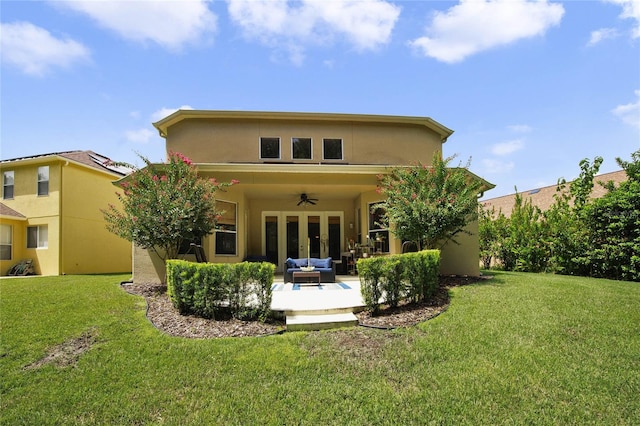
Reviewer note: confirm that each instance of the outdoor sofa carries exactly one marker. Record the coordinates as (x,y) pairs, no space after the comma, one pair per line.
(325,266)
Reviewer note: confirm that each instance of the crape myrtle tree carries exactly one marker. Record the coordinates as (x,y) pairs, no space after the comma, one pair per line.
(165,205)
(429,205)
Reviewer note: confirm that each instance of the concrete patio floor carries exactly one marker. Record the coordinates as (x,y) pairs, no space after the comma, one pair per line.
(327,296)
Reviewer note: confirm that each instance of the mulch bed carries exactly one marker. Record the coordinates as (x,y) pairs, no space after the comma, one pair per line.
(165,317)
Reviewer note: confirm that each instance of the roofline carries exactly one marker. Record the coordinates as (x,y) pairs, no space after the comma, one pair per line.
(185,114)
(540,188)
(322,168)
(10,217)
(58,156)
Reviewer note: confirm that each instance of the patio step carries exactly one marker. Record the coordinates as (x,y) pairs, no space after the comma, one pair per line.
(320,319)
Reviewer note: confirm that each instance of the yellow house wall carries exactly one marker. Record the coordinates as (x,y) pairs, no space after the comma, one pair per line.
(39,210)
(221,141)
(462,259)
(18,246)
(88,247)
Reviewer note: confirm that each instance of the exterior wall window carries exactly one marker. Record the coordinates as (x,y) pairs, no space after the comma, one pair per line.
(378,235)
(43,180)
(270,148)
(7,185)
(37,236)
(226,231)
(332,149)
(301,148)
(6,241)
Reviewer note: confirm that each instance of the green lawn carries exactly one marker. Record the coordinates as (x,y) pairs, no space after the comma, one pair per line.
(518,349)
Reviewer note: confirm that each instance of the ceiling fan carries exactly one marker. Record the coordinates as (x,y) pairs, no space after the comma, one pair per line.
(304,199)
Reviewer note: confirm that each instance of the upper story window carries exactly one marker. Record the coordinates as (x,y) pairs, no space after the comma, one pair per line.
(301,148)
(7,185)
(43,180)
(37,236)
(226,231)
(6,241)
(270,148)
(332,149)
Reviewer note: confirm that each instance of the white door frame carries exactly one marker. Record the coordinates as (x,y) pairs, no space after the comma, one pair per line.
(303,218)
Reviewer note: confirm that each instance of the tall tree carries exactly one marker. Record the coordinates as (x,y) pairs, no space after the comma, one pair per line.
(164,205)
(429,205)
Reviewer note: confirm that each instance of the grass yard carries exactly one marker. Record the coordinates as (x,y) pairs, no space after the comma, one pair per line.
(518,349)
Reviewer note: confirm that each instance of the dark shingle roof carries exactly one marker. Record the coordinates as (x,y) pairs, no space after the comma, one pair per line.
(87,158)
(544,197)
(8,211)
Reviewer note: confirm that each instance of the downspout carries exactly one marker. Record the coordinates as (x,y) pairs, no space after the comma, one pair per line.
(61,220)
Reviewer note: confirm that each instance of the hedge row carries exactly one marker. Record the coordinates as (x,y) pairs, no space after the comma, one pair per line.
(220,290)
(391,279)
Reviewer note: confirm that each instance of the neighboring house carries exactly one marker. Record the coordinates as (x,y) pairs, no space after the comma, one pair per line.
(543,198)
(307,182)
(50,213)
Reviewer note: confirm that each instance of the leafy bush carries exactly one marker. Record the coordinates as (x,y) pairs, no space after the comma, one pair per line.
(391,279)
(577,235)
(370,272)
(215,290)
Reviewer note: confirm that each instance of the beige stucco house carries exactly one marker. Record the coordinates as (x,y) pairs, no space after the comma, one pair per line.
(280,158)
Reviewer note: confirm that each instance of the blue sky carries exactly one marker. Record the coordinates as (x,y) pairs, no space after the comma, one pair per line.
(529,87)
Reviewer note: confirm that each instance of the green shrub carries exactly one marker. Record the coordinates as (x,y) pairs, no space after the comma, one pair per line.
(370,272)
(216,290)
(395,278)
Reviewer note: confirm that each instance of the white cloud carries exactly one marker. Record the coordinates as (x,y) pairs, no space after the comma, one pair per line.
(281,24)
(139,136)
(520,128)
(35,50)
(602,34)
(170,24)
(629,113)
(492,166)
(506,148)
(630,10)
(473,26)
(164,112)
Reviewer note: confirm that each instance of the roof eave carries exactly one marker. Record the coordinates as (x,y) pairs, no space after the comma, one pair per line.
(183,114)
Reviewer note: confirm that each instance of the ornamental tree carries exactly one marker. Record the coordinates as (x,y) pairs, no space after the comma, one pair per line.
(429,205)
(165,205)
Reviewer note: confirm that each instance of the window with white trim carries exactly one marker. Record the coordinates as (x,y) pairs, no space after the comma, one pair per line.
(7,185)
(226,229)
(332,149)
(301,148)
(269,148)
(6,241)
(43,180)
(37,236)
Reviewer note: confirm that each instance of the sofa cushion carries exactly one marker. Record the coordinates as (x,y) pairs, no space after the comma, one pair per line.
(321,263)
(296,263)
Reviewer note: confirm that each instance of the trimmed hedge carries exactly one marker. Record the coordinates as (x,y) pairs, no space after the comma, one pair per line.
(391,279)
(219,290)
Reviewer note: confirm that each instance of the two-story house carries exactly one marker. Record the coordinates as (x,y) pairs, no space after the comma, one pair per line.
(50,213)
(307,182)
